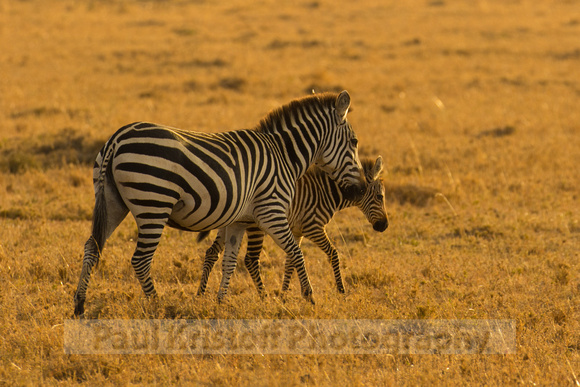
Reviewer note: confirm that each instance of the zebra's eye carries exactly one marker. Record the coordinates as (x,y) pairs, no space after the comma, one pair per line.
(354,142)
(380,197)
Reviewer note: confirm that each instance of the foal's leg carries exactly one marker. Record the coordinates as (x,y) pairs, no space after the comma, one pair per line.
(252,259)
(211,257)
(233,238)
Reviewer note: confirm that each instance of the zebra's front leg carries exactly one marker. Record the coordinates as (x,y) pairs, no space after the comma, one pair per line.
(289,268)
(282,235)
(233,238)
(320,238)
(252,259)
(335,263)
(297,260)
(211,257)
(288,271)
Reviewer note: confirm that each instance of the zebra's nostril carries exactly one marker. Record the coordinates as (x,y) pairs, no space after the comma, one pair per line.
(381,225)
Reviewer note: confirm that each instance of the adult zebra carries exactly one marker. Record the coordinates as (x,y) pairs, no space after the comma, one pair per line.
(198,181)
(318,197)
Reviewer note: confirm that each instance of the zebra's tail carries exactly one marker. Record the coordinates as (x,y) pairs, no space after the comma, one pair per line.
(202,235)
(100,216)
(99,219)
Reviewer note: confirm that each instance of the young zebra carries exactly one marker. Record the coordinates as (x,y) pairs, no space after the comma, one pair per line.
(318,197)
(199,181)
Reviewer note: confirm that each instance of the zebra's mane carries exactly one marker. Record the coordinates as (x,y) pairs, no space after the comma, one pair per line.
(268,123)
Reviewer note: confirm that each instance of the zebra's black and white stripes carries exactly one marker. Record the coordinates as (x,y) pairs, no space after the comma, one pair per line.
(198,181)
(318,197)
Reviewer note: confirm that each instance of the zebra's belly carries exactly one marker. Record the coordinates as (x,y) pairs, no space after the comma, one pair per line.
(188,217)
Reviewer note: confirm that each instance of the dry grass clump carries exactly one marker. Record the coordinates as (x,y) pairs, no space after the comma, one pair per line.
(44,151)
(410,193)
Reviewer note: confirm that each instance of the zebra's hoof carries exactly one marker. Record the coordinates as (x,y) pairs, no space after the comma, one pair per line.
(308,297)
(152,295)
(79,308)
(80,316)
(281,295)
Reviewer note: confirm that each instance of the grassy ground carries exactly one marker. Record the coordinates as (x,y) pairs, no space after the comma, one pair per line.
(477,101)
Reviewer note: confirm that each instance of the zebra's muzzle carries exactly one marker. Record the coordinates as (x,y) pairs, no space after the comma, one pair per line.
(380,225)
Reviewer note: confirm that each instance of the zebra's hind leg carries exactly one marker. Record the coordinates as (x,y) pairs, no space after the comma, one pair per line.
(90,259)
(147,242)
(233,238)
(211,256)
(108,213)
(252,259)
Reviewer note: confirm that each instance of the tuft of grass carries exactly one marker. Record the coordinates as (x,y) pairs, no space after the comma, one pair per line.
(498,132)
(369,279)
(410,193)
(49,150)
(19,162)
(232,83)
(13,213)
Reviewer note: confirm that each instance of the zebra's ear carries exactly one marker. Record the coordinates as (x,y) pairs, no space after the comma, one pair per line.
(378,168)
(342,105)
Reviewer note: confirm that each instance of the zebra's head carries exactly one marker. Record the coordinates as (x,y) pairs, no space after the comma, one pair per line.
(372,204)
(339,156)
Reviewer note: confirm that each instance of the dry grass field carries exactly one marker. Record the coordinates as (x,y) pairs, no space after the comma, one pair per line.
(473,105)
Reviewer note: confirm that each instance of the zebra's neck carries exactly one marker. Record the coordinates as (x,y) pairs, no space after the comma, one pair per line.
(300,130)
(295,161)
(298,147)
(333,193)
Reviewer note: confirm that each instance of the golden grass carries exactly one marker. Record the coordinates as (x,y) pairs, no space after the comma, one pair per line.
(477,101)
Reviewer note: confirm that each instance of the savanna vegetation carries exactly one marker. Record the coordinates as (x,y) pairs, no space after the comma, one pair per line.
(474,107)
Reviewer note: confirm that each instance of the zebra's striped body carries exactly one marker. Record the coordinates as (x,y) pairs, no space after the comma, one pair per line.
(198,181)
(318,197)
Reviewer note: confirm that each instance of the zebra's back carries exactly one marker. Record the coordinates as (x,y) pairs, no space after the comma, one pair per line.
(199,181)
